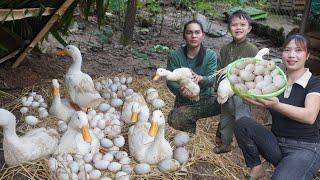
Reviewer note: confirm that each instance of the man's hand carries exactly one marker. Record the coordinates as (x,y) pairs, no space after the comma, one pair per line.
(196,78)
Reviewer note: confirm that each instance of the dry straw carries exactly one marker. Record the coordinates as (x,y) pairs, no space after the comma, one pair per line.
(203,162)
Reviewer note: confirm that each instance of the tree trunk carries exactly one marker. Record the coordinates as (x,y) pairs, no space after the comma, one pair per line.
(129,22)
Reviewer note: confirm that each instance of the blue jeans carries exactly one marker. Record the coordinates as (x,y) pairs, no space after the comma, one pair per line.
(292,159)
(231,111)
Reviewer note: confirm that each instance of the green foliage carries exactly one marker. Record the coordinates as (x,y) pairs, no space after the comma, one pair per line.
(161,49)
(104,35)
(152,6)
(116,6)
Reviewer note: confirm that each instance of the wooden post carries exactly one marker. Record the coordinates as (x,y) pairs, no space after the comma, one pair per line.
(305,17)
(55,17)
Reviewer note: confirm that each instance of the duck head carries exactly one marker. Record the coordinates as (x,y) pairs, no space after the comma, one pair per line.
(6,117)
(80,121)
(135,109)
(160,72)
(157,120)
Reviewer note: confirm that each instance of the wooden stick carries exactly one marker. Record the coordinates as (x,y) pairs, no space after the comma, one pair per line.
(55,17)
(9,56)
(15,14)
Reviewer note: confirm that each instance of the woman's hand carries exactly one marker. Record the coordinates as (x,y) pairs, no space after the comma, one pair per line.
(269,102)
(185,92)
(196,78)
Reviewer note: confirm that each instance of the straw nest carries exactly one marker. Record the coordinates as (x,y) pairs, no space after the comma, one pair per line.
(203,162)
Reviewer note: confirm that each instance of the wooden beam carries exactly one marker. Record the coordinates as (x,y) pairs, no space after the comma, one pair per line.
(55,17)
(9,56)
(16,14)
(305,17)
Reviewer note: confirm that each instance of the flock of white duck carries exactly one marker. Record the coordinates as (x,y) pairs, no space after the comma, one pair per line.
(91,122)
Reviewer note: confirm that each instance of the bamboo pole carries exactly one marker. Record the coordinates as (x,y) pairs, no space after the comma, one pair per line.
(305,17)
(55,17)
(16,14)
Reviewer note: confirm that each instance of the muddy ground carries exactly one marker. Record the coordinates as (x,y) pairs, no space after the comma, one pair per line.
(137,59)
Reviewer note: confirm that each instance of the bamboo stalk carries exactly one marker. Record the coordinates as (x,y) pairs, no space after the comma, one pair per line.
(43,31)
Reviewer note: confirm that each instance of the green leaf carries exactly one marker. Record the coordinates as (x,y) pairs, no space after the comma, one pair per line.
(58,37)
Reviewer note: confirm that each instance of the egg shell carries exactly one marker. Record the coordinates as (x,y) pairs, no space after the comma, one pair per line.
(126,168)
(181,154)
(104,107)
(181,139)
(250,84)
(241,87)
(259,69)
(27,103)
(275,72)
(246,75)
(23,99)
(278,81)
(83,175)
(125,160)
(101,124)
(95,174)
(271,65)
(74,167)
(24,110)
(254,91)
(122,176)
(249,67)
(168,165)
(101,164)
(120,154)
(116,102)
(44,113)
(107,143)
(158,103)
(108,157)
(97,156)
(53,164)
(269,89)
(233,79)
(44,105)
(142,168)
(234,71)
(268,78)
(88,168)
(113,150)
(261,85)
(129,80)
(123,80)
(68,158)
(30,98)
(258,79)
(240,65)
(31,120)
(114,167)
(119,141)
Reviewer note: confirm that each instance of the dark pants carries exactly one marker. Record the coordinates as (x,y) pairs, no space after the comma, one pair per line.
(184,116)
(292,159)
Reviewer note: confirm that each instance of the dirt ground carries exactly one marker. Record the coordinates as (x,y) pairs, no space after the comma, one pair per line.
(137,59)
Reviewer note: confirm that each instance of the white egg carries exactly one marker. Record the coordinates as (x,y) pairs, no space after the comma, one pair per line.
(63,173)
(121,154)
(108,157)
(88,168)
(122,176)
(128,92)
(41,100)
(31,120)
(44,105)
(101,164)
(93,123)
(181,139)
(142,168)
(62,126)
(27,103)
(125,160)
(74,176)
(114,167)
(23,99)
(97,157)
(126,168)
(101,124)
(44,113)
(113,87)
(123,80)
(157,103)
(112,131)
(129,80)
(113,150)
(98,86)
(68,158)
(92,113)
(74,166)
(106,95)
(30,98)
(123,87)
(181,154)
(104,107)
(168,165)
(53,164)
(107,143)
(88,157)
(116,102)
(119,141)
(95,174)
(116,79)
(37,97)
(35,104)
(24,110)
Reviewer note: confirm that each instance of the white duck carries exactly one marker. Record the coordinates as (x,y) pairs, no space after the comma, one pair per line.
(182,76)
(159,149)
(60,108)
(78,139)
(138,133)
(35,144)
(80,85)
(224,89)
(128,104)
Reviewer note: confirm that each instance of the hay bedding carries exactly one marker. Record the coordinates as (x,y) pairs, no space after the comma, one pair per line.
(199,147)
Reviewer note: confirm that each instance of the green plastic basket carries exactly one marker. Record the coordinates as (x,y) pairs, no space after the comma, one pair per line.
(254,96)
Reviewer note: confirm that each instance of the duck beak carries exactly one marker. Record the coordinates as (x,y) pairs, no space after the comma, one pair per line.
(61,52)
(134,117)
(54,90)
(156,77)
(153,128)
(85,133)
